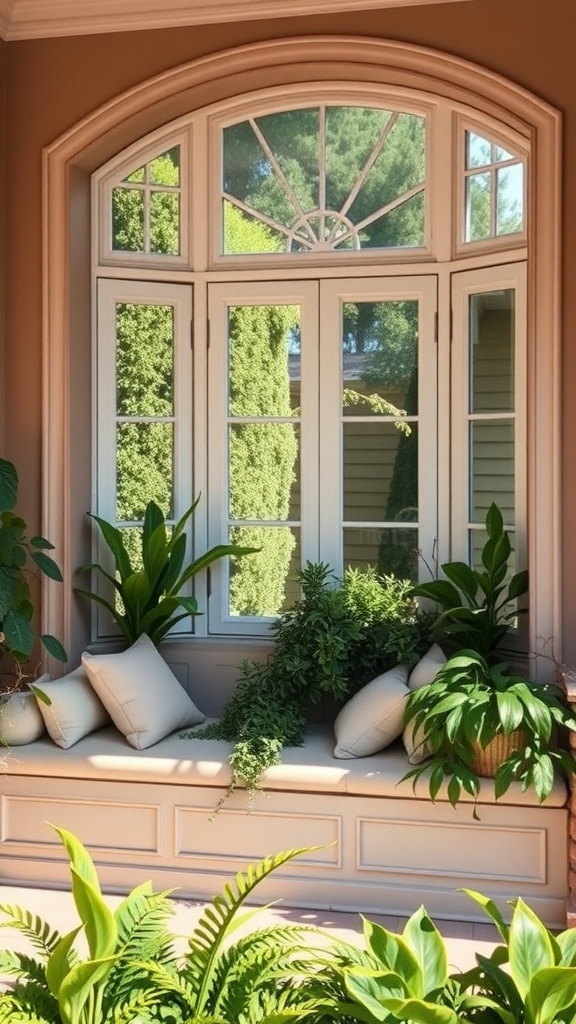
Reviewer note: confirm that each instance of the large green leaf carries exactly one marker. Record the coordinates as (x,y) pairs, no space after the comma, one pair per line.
(115,543)
(552,991)
(421,1012)
(395,955)
(567,946)
(54,647)
(98,919)
(463,577)
(530,947)
(61,961)
(81,985)
(510,710)
(18,635)
(424,939)
(47,565)
(493,911)
(370,988)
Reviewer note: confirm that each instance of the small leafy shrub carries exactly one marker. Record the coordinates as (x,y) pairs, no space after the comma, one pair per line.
(336,638)
(478,605)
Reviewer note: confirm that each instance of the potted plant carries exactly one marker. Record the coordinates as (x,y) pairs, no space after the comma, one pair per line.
(478,605)
(479,719)
(150,594)
(20,558)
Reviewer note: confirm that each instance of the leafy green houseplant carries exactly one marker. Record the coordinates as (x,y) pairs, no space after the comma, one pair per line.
(472,702)
(20,558)
(150,595)
(478,605)
(336,637)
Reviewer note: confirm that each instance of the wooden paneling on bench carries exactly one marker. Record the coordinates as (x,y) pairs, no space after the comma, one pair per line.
(146,814)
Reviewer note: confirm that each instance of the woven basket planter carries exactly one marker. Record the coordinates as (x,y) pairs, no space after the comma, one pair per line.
(486,760)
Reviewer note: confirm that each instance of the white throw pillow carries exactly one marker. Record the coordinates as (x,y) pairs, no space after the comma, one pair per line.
(374,717)
(74,710)
(421,675)
(141,694)
(425,671)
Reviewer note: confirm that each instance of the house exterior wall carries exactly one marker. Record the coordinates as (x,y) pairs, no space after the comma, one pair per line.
(51,84)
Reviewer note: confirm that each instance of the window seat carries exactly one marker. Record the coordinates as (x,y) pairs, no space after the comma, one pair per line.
(149,814)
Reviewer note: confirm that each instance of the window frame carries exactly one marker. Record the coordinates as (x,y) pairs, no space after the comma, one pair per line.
(70,159)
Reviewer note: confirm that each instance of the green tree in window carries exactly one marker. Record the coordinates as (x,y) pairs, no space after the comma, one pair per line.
(128,208)
(262,455)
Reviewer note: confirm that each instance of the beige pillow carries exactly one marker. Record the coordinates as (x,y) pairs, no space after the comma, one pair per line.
(374,717)
(141,694)
(74,710)
(425,671)
(422,674)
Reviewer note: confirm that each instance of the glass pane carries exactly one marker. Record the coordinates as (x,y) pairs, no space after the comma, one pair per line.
(398,167)
(502,154)
(246,234)
(402,226)
(136,176)
(144,359)
(264,584)
(127,220)
(144,468)
(352,135)
(250,177)
(392,551)
(492,469)
(492,351)
(293,138)
(380,472)
(478,207)
(165,169)
(264,360)
(510,199)
(478,151)
(264,471)
(379,358)
(165,223)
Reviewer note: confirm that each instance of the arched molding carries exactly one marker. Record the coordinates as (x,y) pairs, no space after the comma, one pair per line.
(71,158)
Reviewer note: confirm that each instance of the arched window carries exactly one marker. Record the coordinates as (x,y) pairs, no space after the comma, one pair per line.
(327,415)
(322,306)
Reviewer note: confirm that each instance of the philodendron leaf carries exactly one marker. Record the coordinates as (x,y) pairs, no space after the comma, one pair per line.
(47,565)
(78,986)
(421,1012)
(370,988)
(98,919)
(424,939)
(530,947)
(552,991)
(395,955)
(60,962)
(491,909)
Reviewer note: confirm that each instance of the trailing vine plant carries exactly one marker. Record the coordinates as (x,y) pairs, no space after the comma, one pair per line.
(338,636)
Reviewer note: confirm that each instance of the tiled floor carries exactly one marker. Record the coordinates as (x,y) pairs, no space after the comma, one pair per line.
(463,939)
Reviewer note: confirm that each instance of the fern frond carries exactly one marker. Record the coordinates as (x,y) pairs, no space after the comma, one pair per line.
(39,932)
(20,965)
(220,919)
(31,1002)
(136,1009)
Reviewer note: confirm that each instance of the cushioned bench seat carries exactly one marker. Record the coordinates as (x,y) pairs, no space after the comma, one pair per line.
(149,814)
(105,755)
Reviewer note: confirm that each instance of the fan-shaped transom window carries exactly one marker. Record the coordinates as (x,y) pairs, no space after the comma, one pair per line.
(323,179)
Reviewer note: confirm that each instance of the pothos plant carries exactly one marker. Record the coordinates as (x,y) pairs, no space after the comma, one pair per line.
(337,637)
(21,557)
(467,705)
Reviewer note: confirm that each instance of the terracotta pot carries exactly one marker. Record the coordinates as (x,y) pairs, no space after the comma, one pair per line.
(486,760)
(20,719)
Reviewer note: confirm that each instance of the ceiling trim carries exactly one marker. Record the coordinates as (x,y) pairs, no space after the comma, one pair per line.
(37,19)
